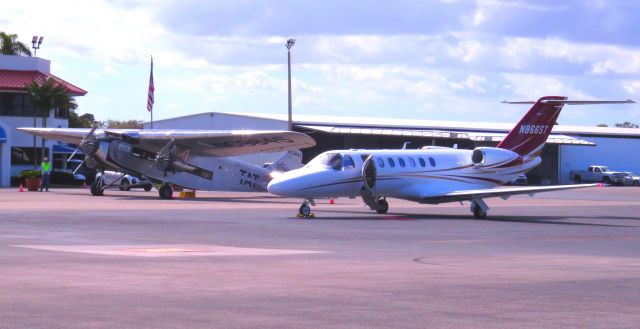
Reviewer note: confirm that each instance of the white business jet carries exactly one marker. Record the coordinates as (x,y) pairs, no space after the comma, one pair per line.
(196,159)
(431,175)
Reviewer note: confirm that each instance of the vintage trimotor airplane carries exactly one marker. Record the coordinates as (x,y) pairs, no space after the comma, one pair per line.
(196,159)
(431,175)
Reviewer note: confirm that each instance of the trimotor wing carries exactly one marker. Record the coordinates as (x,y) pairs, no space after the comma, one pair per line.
(218,143)
(503,192)
(69,135)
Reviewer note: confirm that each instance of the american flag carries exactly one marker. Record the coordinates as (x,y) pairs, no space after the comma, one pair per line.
(151,89)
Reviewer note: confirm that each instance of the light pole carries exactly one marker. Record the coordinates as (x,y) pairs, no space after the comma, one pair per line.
(35,44)
(290,44)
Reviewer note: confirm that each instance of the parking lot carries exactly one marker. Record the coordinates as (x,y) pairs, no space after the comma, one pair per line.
(237,260)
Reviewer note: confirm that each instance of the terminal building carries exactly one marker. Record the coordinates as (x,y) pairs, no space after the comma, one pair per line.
(568,147)
(17,151)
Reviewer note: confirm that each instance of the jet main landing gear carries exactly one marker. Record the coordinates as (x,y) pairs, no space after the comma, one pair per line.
(382,206)
(479,208)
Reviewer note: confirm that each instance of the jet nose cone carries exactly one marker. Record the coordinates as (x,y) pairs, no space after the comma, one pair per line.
(277,186)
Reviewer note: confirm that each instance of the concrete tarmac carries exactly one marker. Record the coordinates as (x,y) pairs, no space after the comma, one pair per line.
(567,259)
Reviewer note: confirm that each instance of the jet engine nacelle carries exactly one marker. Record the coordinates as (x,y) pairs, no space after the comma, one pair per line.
(369,173)
(491,156)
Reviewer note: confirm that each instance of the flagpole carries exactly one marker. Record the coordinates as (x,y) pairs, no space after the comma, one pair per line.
(150,95)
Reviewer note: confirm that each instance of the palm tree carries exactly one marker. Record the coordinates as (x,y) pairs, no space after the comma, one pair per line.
(48,96)
(9,45)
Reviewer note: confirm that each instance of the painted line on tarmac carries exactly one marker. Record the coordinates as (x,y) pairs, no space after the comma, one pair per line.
(168,250)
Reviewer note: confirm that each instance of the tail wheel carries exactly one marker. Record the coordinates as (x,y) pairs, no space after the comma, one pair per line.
(383,206)
(166,192)
(124,185)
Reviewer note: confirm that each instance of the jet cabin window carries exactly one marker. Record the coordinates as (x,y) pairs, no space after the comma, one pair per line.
(432,162)
(392,163)
(412,162)
(422,163)
(401,162)
(380,162)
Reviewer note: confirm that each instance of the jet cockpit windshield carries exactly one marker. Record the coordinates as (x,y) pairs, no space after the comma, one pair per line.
(335,161)
(332,160)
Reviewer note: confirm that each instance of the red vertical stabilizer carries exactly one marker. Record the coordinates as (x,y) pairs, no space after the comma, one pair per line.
(530,134)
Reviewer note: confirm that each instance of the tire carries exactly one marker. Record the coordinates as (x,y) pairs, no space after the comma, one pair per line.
(166,192)
(478,213)
(305,210)
(383,206)
(124,185)
(95,188)
(147,187)
(606,180)
(577,179)
(636,183)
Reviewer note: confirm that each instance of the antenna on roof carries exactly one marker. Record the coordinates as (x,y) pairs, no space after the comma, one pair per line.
(404,146)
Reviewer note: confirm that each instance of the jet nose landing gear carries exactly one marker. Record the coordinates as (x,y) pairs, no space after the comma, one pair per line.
(305,210)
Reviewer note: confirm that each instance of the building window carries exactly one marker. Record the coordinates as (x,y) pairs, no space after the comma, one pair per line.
(17,105)
(432,162)
(61,114)
(401,162)
(422,163)
(392,163)
(25,155)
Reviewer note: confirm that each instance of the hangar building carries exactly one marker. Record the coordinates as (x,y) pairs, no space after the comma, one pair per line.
(568,148)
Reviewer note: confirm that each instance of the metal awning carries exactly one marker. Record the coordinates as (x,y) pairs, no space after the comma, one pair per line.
(439,134)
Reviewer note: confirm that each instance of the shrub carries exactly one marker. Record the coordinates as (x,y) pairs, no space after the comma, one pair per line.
(30,174)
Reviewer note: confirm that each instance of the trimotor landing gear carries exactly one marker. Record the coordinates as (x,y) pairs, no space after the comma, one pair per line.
(165,191)
(305,210)
(479,208)
(96,187)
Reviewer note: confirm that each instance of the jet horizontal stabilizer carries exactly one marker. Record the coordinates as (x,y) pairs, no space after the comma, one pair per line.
(571,102)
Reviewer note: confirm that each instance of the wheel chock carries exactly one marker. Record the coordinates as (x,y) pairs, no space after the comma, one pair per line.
(311,215)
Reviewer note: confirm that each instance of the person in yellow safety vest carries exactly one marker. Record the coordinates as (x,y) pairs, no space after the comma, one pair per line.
(45,168)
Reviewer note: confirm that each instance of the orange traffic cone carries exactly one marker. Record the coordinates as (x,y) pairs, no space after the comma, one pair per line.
(331,201)
(21,190)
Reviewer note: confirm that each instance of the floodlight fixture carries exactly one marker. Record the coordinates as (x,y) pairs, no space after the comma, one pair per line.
(290,43)
(35,43)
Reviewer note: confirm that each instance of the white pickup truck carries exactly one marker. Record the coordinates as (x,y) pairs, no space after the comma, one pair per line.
(593,174)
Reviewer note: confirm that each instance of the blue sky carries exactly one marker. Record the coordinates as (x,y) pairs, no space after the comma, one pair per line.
(412,59)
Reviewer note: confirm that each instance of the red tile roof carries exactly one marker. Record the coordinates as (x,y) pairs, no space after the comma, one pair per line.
(18,81)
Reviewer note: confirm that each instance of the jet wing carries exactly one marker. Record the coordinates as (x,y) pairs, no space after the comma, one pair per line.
(219,143)
(503,192)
